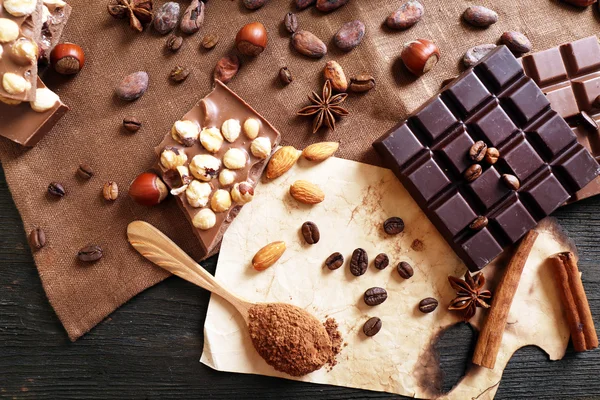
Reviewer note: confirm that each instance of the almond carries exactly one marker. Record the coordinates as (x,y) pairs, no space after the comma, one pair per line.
(320,151)
(268,255)
(282,161)
(307,192)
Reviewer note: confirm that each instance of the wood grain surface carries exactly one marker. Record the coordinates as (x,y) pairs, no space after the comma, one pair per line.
(150,347)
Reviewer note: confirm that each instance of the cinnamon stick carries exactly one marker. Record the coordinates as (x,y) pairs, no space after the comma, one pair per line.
(579,316)
(490,338)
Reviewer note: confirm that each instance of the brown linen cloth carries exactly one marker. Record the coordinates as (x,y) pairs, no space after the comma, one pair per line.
(83,295)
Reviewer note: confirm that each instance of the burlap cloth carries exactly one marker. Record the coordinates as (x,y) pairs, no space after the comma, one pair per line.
(83,295)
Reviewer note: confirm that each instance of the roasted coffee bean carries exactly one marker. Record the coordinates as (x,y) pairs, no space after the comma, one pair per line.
(372,326)
(179,74)
(393,225)
(56,189)
(359,262)
(132,124)
(381,261)
(291,22)
(375,296)
(85,171)
(90,253)
(516,42)
(478,223)
(310,231)
(492,155)
(302,4)
(473,172)
(193,17)
(477,151)
(428,305)
(285,76)
(110,191)
(334,261)
(588,122)
(362,83)
(227,67)
(405,270)
(511,181)
(349,35)
(474,54)
(209,41)
(133,86)
(37,238)
(480,16)
(166,17)
(174,43)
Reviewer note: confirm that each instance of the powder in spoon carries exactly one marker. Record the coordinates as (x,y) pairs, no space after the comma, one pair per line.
(290,339)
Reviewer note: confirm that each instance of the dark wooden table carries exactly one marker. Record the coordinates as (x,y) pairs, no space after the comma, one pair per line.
(150,347)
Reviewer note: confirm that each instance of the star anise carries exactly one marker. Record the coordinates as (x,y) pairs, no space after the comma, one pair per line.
(139,12)
(469,294)
(325,107)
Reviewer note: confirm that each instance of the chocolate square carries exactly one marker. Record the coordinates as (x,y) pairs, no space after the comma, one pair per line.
(514,221)
(468,93)
(455,213)
(545,67)
(435,119)
(488,188)
(495,126)
(526,102)
(562,99)
(456,152)
(522,160)
(428,179)
(551,136)
(580,168)
(500,69)
(582,55)
(401,145)
(547,194)
(482,248)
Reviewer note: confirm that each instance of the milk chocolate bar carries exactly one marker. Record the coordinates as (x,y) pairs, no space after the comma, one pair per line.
(212,160)
(55,14)
(496,103)
(569,76)
(20,28)
(26,123)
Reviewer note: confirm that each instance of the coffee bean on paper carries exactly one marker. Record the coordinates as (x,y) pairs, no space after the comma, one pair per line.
(475,54)
(90,253)
(310,232)
(372,326)
(375,296)
(37,238)
(405,270)
(393,225)
(56,189)
(166,17)
(193,17)
(381,261)
(334,261)
(480,16)
(349,35)
(428,305)
(406,16)
(516,42)
(359,262)
(133,86)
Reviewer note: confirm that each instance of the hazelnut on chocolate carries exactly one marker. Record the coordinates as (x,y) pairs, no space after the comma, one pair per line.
(9,102)
(197,193)
(9,30)
(205,167)
(235,158)
(185,132)
(226,177)
(45,99)
(172,157)
(20,8)
(211,139)
(261,147)
(14,84)
(184,175)
(205,219)
(220,201)
(25,50)
(242,192)
(252,128)
(231,130)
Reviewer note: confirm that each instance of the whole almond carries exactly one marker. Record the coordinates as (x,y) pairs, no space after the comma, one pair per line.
(320,151)
(268,255)
(334,72)
(282,161)
(307,192)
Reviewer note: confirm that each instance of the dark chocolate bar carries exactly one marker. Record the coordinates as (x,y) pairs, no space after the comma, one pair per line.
(569,75)
(212,160)
(20,28)
(55,15)
(496,103)
(26,123)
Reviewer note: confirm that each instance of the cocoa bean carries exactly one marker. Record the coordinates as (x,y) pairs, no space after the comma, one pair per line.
(330,5)
(480,16)
(406,16)
(227,67)
(193,17)
(308,44)
(133,86)
(254,4)
(350,35)
(474,54)
(166,18)
(302,4)
(516,42)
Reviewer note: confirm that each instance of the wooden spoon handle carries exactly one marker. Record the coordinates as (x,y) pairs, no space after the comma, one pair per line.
(158,248)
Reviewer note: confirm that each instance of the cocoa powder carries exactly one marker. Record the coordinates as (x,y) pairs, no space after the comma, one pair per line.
(292,340)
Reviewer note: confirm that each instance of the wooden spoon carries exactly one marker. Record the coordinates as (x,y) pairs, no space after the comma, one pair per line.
(158,248)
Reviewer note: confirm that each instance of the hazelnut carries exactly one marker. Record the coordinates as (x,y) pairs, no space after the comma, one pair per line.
(25,50)
(67,58)
(1,52)
(205,167)
(148,189)
(45,99)
(226,177)
(20,8)
(231,130)
(420,56)
(220,201)
(185,132)
(9,102)
(15,84)
(252,128)
(9,30)
(242,192)
(251,40)
(205,219)
(235,158)
(211,139)
(172,157)
(261,147)
(197,193)
(110,191)
(179,190)
(184,175)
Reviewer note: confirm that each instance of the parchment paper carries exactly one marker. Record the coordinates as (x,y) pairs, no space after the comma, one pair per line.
(399,359)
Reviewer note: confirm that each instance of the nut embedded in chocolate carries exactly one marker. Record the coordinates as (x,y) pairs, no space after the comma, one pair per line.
(375,296)
(372,326)
(334,261)
(393,225)
(477,151)
(405,270)
(131,124)
(473,172)
(381,261)
(56,189)
(428,305)
(511,181)
(478,223)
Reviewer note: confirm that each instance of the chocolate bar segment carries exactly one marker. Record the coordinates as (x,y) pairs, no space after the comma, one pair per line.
(569,75)
(496,103)
(23,124)
(212,160)
(20,28)
(55,14)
